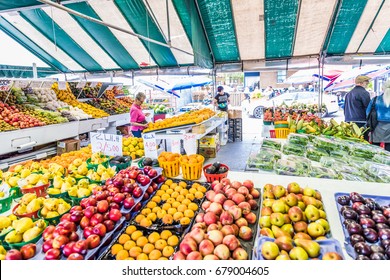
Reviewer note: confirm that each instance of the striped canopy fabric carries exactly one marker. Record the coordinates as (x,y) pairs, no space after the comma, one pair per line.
(175,33)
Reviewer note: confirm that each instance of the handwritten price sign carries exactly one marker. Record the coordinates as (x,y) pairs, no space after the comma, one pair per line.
(150,145)
(5,85)
(107,144)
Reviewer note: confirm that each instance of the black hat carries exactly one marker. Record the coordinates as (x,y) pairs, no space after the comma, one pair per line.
(219,88)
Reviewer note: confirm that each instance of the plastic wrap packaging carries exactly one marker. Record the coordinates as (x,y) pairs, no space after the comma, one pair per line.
(323,172)
(315,154)
(264,159)
(327,144)
(306,163)
(292,149)
(381,159)
(351,177)
(271,144)
(344,145)
(363,151)
(298,139)
(327,161)
(379,172)
(338,153)
(356,162)
(288,167)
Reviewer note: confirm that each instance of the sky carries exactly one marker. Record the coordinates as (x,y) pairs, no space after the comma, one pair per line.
(12,53)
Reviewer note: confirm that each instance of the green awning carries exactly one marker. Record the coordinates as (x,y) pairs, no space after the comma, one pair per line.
(10,71)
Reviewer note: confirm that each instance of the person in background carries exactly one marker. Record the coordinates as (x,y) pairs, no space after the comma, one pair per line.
(381,132)
(221,99)
(269,91)
(137,117)
(356,103)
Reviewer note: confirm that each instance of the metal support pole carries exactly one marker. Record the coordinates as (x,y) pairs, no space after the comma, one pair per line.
(168,23)
(35,71)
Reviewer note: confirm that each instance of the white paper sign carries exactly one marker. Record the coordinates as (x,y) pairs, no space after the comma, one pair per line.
(110,87)
(93,84)
(81,84)
(150,145)
(5,85)
(190,143)
(107,144)
(62,85)
(175,146)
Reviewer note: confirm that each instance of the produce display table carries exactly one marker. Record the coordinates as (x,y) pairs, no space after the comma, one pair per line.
(327,187)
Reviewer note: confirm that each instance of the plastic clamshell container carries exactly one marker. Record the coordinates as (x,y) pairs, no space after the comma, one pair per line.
(271,144)
(298,139)
(315,153)
(328,245)
(381,200)
(293,149)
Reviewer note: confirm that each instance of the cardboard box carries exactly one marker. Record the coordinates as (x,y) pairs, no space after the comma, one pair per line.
(68,145)
(199,129)
(211,140)
(209,152)
(234,114)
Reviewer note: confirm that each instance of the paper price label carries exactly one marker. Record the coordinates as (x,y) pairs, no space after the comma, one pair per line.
(62,85)
(110,87)
(5,85)
(175,146)
(150,145)
(190,143)
(81,84)
(93,84)
(107,144)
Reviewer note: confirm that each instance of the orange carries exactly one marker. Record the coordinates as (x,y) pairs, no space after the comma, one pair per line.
(155,254)
(136,234)
(175,204)
(199,195)
(185,221)
(189,213)
(153,237)
(156,198)
(151,204)
(130,229)
(146,211)
(142,257)
(148,248)
(168,182)
(145,222)
(186,201)
(171,211)
(190,196)
(177,216)
(156,209)
(142,241)
(122,254)
(193,161)
(200,158)
(123,238)
(173,240)
(139,218)
(171,200)
(167,219)
(182,207)
(152,217)
(165,234)
(135,251)
(193,206)
(161,214)
(166,206)
(129,244)
(184,192)
(116,248)
(167,251)
(160,244)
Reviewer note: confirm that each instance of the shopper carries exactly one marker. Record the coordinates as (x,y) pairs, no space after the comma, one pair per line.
(356,103)
(137,117)
(381,132)
(221,99)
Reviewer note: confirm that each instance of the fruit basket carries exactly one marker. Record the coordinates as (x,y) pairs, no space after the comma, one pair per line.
(211,177)
(76,200)
(93,166)
(60,195)
(282,132)
(281,124)
(170,168)
(54,220)
(191,170)
(5,203)
(366,237)
(21,244)
(151,244)
(329,249)
(120,162)
(32,215)
(15,192)
(40,191)
(154,163)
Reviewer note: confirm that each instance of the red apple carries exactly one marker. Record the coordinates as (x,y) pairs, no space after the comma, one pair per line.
(128,202)
(47,245)
(250,217)
(68,249)
(75,208)
(102,206)
(245,206)
(87,232)
(99,229)
(240,254)
(48,232)
(248,184)
(74,236)
(93,241)
(243,190)
(60,241)
(238,198)
(245,233)
(90,211)
(118,198)
(84,222)
(255,193)
(65,217)
(28,251)
(231,242)
(110,225)
(210,218)
(194,256)
(137,192)
(80,247)
(75,256)
(188,245)
(179,256)
(53,254)
(206,247)
(115,215)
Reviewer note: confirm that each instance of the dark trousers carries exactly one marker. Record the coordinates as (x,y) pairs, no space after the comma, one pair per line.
(387,146)
(136,133)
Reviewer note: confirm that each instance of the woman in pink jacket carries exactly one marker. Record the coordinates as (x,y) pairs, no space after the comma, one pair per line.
(137,117)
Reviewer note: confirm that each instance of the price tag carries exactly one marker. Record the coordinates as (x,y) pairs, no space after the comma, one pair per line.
(62,85)
(190,145)
(93,84)
(5,85)
(21,83)
(110,87)
(150,145)
(81,84)
(119,87)
(175,146)
(107,144)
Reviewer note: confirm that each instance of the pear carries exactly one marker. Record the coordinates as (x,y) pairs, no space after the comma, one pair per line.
(278,232)
(24,224)
(22,209)
(312,213)
(298,253)
(31,233)
(284,243)
(14,237)
(311,247)
(4,222)
(28,197)
(283,258)
(33,206)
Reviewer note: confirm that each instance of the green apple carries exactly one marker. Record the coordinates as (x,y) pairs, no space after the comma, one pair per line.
(269,250)
(315,230)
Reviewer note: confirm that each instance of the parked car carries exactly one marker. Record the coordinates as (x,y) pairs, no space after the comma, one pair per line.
(255,106)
